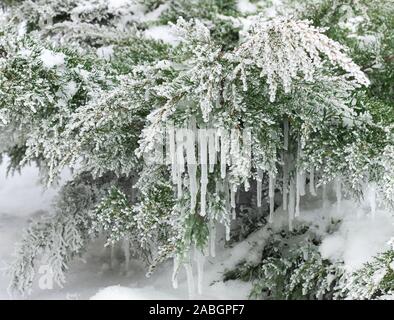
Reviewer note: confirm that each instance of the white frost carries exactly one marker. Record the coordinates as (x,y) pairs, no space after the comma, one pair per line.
(52,59)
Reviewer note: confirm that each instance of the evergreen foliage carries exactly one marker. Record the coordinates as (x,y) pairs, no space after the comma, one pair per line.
(302,97)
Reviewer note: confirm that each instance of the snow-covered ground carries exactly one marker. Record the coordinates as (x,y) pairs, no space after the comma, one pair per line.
(21,198)
(359,237)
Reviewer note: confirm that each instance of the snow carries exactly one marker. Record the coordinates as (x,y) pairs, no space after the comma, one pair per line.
(21,198)
(245,6)
(51,59)
(359,237)
(116,4)
(105,52)
(155,14)
(123,293)
(190,280)
(21,194)
(357,240)
(164,33)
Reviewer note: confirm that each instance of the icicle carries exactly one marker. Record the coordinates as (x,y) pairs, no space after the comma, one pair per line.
(312,189)
(223,152)
(180,159)
(179,184)
(259,192)
(233,192)
(204,170)
(217,140)
(338,193)
(247,151)
(211,149)
(298,198)
(191,167)
(324,196)
(285,181)
(291,204)
(271,217)
(300,178)
(200,259)
(300,190)
(286,134)
(212,240)
(172,153)
(175,273)
(180,134)
(233,202)
(271,195)
(234,147)
(259,187)
(190,280)
(302,183)
(271,185)
(372,199)
(227,196)
(227,232)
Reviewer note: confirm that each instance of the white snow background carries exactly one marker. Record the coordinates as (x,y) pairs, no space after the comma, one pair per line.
(360,237)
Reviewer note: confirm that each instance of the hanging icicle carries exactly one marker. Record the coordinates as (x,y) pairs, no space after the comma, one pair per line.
(247,153)
(191,167)
(285,181)
(233,193)
(300,190)
(217,140)
(233,202)
(286,134)
(291,209)
(302,183)
(259,180)
(190,280)
(228,207)
(172,153)
(227,196)
(204,170)
(271,195)
(234,147)
(179,135)
(300,178)
(338,193)
(312,189)
(227,232)
(211,136)
(225,146)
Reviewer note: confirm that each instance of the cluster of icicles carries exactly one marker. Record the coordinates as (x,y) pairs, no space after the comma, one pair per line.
(224,146)
(214,145)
